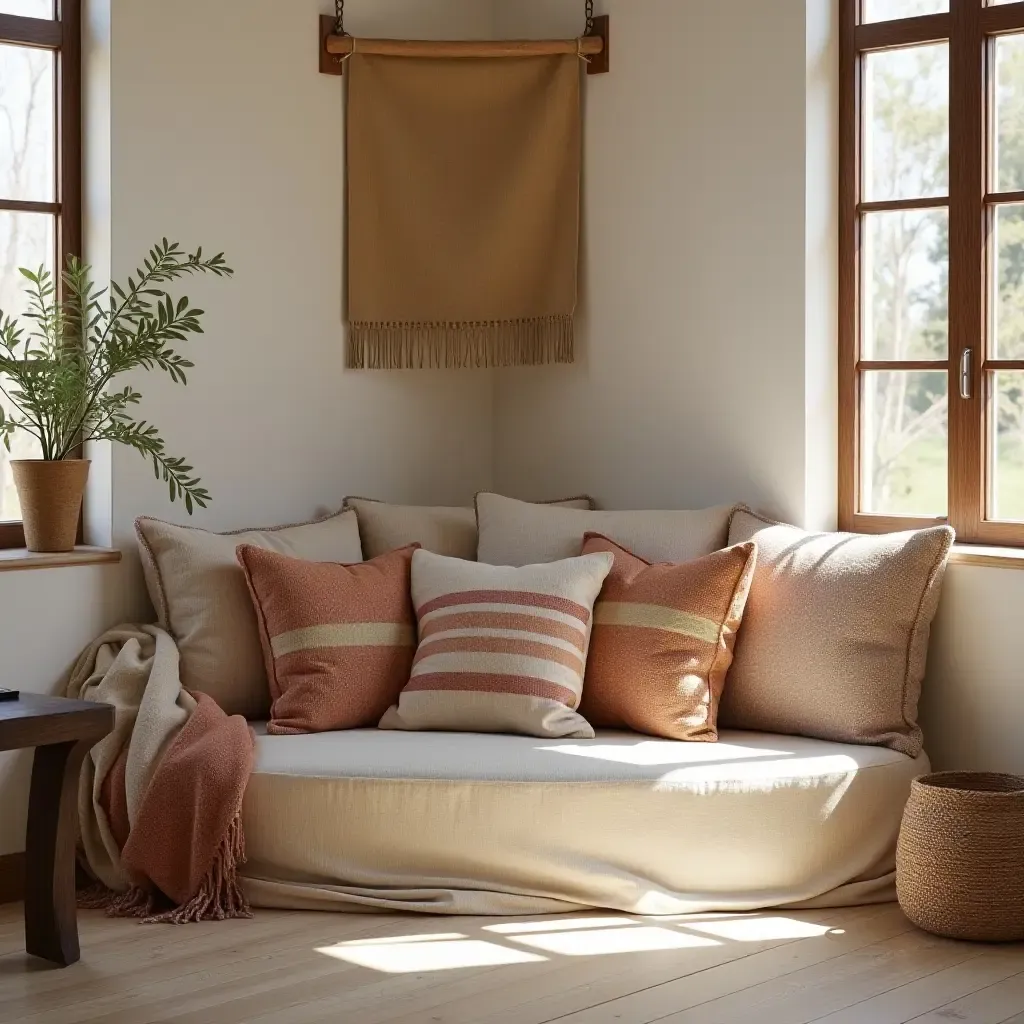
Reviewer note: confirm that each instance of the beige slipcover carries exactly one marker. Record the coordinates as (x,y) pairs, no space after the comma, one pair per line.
(494,825)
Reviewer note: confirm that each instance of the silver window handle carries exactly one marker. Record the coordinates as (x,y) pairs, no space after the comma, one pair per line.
(965,372)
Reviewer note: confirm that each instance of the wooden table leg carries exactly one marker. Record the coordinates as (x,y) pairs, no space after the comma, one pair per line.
(51,923)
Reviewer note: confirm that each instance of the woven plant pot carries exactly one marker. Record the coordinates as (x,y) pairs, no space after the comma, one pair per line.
(960,858)
(51,501)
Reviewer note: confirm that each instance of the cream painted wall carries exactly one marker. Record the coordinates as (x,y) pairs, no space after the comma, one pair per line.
(209,122)
(706,367)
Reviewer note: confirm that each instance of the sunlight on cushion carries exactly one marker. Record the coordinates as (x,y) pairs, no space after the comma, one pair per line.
(758,929)
(607,941)
(427,953)
(555,926)
(653,752)
(760,776)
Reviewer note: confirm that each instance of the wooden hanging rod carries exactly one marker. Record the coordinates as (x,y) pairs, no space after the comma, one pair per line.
(334,47)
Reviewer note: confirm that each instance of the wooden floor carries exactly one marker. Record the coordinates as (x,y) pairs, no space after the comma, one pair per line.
(844,966)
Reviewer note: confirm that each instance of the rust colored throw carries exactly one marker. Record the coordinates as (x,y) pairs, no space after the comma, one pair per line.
(160,798)
(663,641)
(338,639)
(463,211)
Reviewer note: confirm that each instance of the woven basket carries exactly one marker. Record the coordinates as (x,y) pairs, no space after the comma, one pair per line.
(960,859)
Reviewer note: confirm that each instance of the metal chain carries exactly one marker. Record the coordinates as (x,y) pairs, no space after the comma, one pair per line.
(590,17)
(339,17)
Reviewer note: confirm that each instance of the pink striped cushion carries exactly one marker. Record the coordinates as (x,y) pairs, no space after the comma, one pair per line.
(501,649)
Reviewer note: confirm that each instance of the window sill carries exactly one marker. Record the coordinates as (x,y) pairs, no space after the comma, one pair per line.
(997,558)
(18,559)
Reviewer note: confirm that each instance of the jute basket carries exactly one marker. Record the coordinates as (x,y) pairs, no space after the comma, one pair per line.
(51,501)
(960,858)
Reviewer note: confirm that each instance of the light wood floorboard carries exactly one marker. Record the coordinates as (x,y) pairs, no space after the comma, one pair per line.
(866,965)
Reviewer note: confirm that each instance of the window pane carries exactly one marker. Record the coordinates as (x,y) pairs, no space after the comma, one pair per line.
(889,10)
(1009,114)
(1008,283)
(27,130)
(23,446)
(26,240)
(905,442)
(28,8)
(906,126)
(1007,446)
(905,271)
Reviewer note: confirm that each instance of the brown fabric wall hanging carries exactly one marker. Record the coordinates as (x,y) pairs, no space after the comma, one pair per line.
(463,210)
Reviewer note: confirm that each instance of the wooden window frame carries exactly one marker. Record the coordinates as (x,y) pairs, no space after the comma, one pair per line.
(968,27)
(62,35)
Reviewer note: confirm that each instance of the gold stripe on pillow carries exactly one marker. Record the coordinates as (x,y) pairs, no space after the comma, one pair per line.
(353,634)
(653,616)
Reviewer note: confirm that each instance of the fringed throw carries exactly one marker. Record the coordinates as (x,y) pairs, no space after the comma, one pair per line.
(463,211)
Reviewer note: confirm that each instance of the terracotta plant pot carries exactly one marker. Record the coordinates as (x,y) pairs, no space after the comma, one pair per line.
(51,501)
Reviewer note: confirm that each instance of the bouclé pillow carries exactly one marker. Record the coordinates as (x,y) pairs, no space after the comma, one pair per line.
(338,640)
(501,649)
(201,599)
(835,635)
(443,530)
(663,641)
(518,533)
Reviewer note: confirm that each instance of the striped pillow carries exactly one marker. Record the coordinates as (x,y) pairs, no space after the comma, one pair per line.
(338,640)
(501,649)
(663,641)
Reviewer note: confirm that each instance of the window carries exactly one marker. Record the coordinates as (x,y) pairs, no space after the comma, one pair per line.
(932,267)
(40,169)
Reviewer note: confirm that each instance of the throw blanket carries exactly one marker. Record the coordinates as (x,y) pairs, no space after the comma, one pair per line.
(160,798)
(463,210)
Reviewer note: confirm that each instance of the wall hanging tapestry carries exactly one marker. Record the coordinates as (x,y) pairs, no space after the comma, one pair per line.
(463,210)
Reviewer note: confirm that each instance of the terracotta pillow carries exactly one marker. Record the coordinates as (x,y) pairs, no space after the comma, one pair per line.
(835,636)
(663,641)
(338,640)
(501,649)
(201,599)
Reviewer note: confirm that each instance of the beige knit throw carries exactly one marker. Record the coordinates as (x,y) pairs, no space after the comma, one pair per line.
(463,210)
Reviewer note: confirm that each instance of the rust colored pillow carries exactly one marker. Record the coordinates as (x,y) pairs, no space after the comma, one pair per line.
(663,641)
(338,640)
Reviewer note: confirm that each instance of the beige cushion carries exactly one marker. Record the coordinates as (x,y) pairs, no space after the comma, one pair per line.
(517,533)
(496,825)
(500,649)
(445,531)
(201,598)
(835,633)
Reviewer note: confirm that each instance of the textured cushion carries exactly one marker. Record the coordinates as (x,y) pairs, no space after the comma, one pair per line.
(663,641)
(338,640)
(501,649)
(835,634)
(443,530)
(199,592)
(517,533)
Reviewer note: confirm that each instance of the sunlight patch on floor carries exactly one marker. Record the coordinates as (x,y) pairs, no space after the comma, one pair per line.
(608,941)
(759,929)
(424,953)
(530,927)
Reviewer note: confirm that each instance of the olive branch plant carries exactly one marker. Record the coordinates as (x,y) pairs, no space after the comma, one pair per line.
(57,369)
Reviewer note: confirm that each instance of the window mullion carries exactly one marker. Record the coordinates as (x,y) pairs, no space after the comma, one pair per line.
(967,313)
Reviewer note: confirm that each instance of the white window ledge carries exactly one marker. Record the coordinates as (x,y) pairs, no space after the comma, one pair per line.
(17,559)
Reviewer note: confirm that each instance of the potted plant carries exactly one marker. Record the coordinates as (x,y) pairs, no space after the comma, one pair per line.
(57,369)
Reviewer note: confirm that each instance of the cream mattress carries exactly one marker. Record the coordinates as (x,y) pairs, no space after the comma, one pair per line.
(494,825)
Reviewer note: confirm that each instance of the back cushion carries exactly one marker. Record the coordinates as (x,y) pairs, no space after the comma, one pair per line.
(202,599)
(835,633)
(442,530)
(516,533)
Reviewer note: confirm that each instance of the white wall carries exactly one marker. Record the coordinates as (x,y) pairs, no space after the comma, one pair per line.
(209,122)
(706,336)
